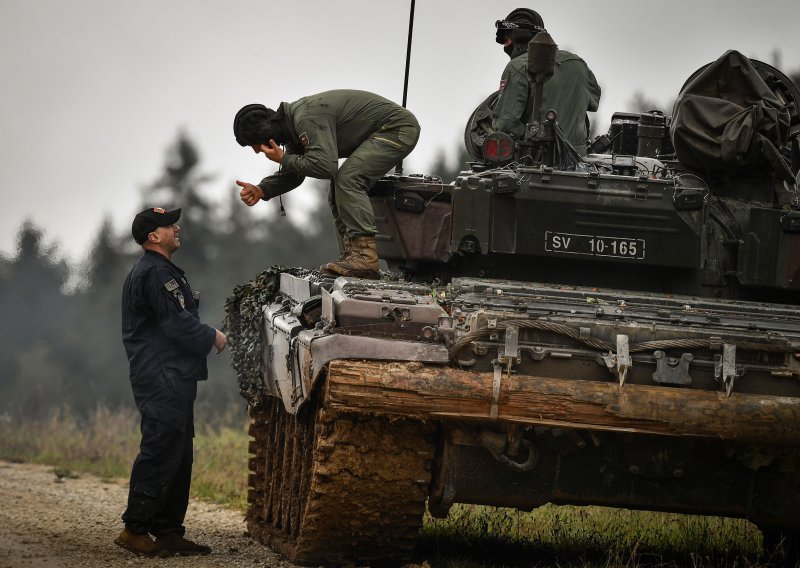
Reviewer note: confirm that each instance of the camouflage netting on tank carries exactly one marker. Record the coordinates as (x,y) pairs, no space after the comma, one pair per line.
(244,326)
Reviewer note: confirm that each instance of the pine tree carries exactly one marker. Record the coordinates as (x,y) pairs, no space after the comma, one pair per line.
(36,312)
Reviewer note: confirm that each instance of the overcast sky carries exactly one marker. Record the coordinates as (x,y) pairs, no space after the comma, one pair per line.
(94,91)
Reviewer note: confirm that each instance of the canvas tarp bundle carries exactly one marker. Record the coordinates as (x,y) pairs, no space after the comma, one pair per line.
(727,119)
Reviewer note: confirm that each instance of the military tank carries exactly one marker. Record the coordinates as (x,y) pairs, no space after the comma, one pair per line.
(619,329)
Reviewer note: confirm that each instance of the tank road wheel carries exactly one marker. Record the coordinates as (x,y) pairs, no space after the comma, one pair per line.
(332,488)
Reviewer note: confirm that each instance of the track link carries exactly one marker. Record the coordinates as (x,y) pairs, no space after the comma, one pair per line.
(332,488)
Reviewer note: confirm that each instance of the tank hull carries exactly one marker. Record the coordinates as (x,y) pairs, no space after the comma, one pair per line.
(515,394)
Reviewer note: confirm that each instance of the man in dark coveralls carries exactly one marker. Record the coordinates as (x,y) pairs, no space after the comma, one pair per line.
(167,346)
(372,132)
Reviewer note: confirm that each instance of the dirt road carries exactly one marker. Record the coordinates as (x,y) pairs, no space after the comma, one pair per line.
(52,522)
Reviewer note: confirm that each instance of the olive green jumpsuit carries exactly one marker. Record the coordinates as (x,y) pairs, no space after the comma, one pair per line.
(372,132)
(571,91)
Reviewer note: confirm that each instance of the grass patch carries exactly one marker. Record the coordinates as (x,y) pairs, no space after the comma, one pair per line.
(553,535)
(220,472)
(106,442)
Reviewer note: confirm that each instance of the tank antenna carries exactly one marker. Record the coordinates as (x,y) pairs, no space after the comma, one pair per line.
(398,170)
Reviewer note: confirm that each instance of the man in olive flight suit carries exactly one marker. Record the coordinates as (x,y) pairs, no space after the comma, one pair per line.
(167,345)
(372,132)
(571,91)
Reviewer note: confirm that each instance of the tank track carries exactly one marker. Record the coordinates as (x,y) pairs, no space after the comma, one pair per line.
(334,488)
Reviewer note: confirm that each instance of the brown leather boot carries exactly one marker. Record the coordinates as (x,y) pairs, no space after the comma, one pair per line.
(324,269)
(361,262)
(139,544)
(174,544)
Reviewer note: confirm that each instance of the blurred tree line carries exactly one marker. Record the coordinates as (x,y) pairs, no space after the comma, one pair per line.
(61,341)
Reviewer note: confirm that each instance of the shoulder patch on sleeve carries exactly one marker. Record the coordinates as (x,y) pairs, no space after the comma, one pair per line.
(171,285)
(304,139)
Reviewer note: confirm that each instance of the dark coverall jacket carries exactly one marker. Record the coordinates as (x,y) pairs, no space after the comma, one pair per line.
(167,346)
(571,91)
(372,132)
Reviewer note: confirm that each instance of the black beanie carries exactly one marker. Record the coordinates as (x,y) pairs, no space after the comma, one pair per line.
(256,124)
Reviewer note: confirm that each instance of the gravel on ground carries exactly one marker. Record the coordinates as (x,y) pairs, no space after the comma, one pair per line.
(47,520)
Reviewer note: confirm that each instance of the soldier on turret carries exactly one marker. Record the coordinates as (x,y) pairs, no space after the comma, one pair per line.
(571,91)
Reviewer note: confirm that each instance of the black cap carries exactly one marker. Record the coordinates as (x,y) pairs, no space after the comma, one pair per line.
(253,124)
(151,219)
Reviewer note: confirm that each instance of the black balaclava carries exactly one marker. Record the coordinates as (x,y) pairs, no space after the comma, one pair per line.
(520,25)
(257,124)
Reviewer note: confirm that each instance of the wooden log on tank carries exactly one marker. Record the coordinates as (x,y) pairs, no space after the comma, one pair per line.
(439,392)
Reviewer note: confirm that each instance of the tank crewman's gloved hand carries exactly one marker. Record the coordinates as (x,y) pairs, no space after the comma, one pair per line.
(250,194)
(220,341)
